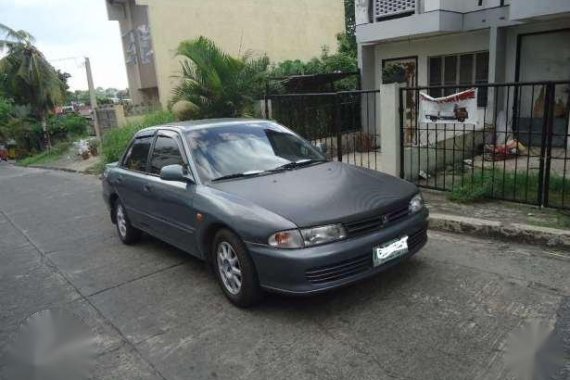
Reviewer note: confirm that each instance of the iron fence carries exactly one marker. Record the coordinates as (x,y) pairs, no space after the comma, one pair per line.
(342,124)
(516,151)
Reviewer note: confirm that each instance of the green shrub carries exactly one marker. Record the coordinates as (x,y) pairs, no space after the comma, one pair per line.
(497,183)
(56,152)
(67,126)
(115,141)
(5,111)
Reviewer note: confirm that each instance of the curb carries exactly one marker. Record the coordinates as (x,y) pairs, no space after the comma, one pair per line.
(52,168)
(514,232)
(66,170)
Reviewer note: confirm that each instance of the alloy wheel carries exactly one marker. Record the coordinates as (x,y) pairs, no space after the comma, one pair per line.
(229,267)
(121,221)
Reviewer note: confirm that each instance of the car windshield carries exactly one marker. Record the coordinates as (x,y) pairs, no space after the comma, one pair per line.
(239,150)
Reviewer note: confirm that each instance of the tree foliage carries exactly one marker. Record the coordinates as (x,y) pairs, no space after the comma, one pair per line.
(27,77)
(217,84)
(347,40)
(326,63)
(5,111)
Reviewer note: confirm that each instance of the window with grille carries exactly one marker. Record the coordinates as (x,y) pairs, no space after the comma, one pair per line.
(464,70)
(390,8)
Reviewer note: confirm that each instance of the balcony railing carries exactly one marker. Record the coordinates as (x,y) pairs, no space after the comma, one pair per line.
(384,9)
(381,10)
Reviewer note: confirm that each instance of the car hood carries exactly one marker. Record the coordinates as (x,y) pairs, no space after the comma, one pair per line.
(325,193)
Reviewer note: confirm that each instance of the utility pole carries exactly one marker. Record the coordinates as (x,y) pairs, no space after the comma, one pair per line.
(92,97)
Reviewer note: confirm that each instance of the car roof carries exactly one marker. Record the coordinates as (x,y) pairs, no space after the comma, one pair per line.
(184,126)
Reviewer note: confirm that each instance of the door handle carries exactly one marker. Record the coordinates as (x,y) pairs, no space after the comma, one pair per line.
(147,188)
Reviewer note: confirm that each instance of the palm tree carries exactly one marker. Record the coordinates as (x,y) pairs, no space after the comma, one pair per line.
(27,76)
(217,84)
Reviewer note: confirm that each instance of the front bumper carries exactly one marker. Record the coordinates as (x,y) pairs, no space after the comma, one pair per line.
(318,269)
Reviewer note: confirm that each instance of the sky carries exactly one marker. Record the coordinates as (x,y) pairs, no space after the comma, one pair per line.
(72,29)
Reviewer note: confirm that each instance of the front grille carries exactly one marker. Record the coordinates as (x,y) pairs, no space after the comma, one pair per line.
(372,224)
(352,267)
(417,239)
(339,271)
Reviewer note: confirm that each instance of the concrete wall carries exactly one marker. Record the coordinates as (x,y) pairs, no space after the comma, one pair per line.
(459,6)
(525,9)
(448,152)
(292,29)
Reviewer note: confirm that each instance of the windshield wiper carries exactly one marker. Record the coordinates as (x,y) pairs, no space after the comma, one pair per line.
(297,164)
(237,175)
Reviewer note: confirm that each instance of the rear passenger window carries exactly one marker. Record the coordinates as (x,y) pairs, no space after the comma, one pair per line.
(137,157)
(166,152)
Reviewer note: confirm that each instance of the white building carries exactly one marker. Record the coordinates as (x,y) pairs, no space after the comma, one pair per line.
(461,43)
(465,41)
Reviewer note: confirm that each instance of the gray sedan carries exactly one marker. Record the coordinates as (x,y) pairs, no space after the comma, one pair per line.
(263,206)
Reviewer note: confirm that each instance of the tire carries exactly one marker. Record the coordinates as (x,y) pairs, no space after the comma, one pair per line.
(127,233)
(235,270)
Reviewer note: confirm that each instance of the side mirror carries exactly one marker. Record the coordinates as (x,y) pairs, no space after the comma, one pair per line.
(174,173)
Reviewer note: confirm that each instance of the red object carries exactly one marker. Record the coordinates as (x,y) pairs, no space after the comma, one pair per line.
(3,154)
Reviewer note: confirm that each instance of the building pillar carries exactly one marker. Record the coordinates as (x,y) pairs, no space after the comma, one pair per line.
(389,129)
(366,64)
(497,62)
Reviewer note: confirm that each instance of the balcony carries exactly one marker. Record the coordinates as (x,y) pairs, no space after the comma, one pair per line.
(371,11)
(383,20)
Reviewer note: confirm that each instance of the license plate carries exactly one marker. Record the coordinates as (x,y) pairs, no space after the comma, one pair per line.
(390,251)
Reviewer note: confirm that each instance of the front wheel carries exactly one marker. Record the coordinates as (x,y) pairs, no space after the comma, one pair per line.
(127,233)
(235,270)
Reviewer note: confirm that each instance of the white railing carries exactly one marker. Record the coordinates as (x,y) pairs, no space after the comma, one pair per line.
(390,8)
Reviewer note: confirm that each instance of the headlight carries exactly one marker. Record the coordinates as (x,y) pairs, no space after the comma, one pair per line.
(307,237)
(323,235)
(416,204)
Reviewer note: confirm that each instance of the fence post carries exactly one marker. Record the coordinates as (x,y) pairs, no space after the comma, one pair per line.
(338,128)
(549,115)
(390,132)
(543,145)
(266,101)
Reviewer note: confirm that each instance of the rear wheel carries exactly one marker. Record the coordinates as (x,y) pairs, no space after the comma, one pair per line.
(127,233)
(235,270)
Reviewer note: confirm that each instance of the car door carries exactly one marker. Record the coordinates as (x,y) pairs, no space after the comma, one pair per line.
(131,181)
(175,217)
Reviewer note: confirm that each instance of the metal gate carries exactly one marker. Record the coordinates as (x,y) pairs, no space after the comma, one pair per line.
(517,151)
(342,124)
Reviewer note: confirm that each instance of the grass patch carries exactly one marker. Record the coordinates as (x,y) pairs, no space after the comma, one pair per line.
(115,141)
(522,187)
(557,220)
(55,153)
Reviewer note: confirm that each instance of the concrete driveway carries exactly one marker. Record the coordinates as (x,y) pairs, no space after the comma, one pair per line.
(158,314)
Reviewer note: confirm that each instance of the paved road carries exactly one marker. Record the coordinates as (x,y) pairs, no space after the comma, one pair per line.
(158,314)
